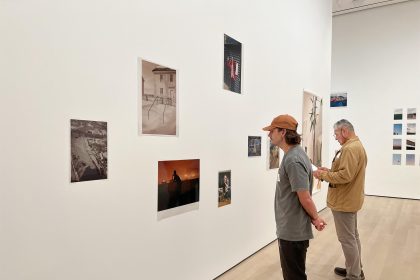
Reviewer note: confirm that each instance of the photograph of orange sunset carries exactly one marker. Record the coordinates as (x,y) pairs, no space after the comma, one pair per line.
(178,183)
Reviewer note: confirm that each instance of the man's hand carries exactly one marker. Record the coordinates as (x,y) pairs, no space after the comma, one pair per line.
(323,169)
(317,173)
(319,223)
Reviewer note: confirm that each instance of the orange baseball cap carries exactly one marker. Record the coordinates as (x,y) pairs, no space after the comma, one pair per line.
(282,121)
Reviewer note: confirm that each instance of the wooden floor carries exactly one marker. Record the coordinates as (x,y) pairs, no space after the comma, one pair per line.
(389,231)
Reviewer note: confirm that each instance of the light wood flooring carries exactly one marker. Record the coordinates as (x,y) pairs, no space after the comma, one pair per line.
(389,231)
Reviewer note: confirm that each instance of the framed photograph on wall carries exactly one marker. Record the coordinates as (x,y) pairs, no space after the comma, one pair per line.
(398,114)
(225,188)
(411,113)
(157,99)
(338,99)
(312,131)
(410,159)
(397,129)
(396,159)
(232,64)
(178,183)
(273,155)
(411,129)
(312,127)
(397,144)
(89,150)
(410,144)
(254,146)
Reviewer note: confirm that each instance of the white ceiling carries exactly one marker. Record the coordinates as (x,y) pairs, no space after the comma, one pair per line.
(348,6)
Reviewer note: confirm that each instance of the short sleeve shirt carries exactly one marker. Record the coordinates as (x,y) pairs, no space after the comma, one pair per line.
(295,173)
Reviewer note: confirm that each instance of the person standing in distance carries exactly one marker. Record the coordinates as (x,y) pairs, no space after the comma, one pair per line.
(293,205)
(346,195)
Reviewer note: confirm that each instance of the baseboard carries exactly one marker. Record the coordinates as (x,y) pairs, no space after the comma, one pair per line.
(397,197)
(275,240)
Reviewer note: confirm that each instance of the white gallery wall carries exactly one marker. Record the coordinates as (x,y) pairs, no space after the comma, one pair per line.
(63,60)
(376,59)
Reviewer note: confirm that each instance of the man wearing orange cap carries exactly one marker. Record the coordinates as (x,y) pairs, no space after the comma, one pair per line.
(294,208)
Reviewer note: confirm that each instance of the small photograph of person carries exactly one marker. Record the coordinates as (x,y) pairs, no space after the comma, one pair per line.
(224,188)
(254,146)
(232,64)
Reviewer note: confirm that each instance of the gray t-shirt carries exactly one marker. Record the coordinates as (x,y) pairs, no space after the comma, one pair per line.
(295,173)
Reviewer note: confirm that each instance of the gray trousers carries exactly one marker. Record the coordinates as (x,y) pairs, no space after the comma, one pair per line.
(346,227)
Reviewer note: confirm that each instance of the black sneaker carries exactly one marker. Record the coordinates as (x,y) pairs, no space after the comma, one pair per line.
(362,277)
(342,272)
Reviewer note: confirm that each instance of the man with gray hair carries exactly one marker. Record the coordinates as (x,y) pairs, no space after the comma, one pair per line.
(346,194)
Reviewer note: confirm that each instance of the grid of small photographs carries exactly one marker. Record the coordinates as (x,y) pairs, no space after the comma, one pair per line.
(404,137)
